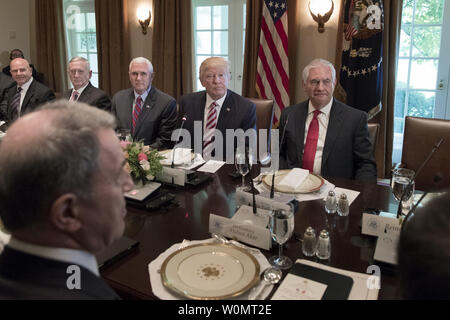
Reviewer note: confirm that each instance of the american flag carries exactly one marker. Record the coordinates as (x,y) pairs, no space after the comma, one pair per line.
(272,80)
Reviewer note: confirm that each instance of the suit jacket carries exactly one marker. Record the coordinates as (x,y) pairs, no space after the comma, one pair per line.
(26,276)
(36,95)
(347,152)
(5,83)
(237,112)
(156,122)
(92,96)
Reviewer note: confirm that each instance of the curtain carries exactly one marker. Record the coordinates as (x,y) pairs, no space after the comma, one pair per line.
(391,38)
(172,47)
(51,44)
(113,45)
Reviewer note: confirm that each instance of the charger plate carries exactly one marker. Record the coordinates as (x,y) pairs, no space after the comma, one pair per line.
(311,184)
(210,271)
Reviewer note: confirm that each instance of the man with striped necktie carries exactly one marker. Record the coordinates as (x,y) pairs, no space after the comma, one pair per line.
(217,109)
(150,115)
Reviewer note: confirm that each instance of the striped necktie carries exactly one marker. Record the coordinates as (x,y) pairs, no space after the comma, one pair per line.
(75,95)
(210,127)
(15,105)
(136,112)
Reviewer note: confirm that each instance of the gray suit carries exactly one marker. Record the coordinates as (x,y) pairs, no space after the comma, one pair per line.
(156,122)
(347,152)
(93,97)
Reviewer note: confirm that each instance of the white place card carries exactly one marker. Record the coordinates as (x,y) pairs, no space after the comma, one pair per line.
(375,225)
(212,166)
(297,288)
(246,232)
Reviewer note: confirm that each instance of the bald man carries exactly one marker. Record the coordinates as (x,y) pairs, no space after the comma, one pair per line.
(26,95)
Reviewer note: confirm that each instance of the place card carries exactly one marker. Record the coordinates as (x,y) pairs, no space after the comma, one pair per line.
(297,288)
(173,176)
(212,166)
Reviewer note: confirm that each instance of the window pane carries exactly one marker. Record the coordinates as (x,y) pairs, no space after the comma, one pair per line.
(81,42)
(203,18)
(80,22)
(220,42)
(91,27)
(203,42)
(405,41)
(407,13)
(424,74)
(93,62)
(402,73)
(427,42)
(221,17)
(421,104)
(429,11)
(92,42)
(94,79)
(400,96)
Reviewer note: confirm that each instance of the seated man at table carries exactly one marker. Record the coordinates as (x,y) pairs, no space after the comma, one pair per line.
(150,114)
(324,135)
(62,180)
(80,73)
(423,252)
(217,108)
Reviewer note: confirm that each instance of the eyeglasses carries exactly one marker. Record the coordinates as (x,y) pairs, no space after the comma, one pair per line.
(316,82)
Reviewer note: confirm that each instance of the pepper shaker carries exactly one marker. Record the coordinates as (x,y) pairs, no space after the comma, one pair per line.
(331,203)
(309,242)
(323,246)
(343,206)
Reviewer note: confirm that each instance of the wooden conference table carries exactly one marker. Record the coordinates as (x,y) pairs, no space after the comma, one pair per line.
(158,230)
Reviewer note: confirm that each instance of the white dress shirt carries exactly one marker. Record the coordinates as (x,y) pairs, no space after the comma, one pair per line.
(143,97)
(323,119)
(24,91)
(75,257)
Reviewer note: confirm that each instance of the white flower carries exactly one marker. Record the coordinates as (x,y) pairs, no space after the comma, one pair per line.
(145,165)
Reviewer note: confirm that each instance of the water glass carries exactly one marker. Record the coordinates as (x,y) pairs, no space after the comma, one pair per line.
(281,225)
(401,178)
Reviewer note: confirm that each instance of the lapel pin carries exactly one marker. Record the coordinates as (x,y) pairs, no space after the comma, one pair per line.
(228,109)
(148,107)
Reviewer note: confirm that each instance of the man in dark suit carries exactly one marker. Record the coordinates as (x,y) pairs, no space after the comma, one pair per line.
(324,135)
(62,180)
(26,95)
(216,110)
(83,91)
(150,115)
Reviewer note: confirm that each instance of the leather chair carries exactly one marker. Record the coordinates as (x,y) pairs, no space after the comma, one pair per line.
(420,136)
(374,129)
(264,114)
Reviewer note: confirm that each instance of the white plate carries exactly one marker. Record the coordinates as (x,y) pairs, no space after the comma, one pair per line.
(210,271)
(312,183)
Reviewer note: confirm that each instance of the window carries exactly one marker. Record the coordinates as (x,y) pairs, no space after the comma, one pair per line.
(81,37)
(423,65)
(219,30)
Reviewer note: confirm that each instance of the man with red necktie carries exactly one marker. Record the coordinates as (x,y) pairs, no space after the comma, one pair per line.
(149,114)
(323,135)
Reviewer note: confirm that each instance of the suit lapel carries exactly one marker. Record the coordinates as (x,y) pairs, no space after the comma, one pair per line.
(85,94)
(300,134)
(334,127)
(226,113)
(28,96)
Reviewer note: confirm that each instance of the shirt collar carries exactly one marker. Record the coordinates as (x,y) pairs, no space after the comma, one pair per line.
(219,102)
(76,257)
(326,110)
(80,91)
(26,85)
(144,95)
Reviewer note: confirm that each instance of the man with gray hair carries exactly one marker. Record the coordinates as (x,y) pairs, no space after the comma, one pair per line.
(80,73)
(62,180)
(148,113)
(324,135)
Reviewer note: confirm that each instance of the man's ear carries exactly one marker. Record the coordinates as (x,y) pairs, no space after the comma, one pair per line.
(65,213)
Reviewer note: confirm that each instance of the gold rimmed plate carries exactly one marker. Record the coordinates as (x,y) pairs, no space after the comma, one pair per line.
(210,272)
(311,184)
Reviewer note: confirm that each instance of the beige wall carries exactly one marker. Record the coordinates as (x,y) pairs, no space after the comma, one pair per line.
(15,32)
(140,44)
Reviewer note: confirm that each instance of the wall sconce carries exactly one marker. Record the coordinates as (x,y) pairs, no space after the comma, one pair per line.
(144,16)
(321,11)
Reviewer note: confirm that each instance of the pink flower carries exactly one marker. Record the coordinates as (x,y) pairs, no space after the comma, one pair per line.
(124,144)
(142,156)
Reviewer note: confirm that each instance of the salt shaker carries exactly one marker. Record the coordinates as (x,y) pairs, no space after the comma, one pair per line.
(343,206)
(309,242)
(323,246)
(331,203)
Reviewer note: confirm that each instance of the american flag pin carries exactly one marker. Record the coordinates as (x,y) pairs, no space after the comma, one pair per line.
(148,107)
(228,109)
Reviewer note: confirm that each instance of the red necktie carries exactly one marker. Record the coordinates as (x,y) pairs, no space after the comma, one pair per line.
(311,143)
(74,96)
(136,112)
(211,124)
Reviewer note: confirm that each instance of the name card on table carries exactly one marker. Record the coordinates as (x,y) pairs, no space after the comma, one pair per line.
(247,227)
(246,198)
(173,175)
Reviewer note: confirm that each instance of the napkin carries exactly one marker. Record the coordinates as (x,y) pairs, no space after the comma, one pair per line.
(4,239)
(259,291)
(294,178)
(182,156)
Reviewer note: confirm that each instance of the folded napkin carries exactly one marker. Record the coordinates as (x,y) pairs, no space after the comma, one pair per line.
(294,178)
(4,239)
(182,156)
(259,291)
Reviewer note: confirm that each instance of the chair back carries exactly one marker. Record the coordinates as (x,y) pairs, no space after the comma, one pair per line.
(264,115)
(420,135)
(374,129)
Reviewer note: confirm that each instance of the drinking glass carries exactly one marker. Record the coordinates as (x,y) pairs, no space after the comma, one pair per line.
(281,225)
(124,134)
(401,178)
(243,162)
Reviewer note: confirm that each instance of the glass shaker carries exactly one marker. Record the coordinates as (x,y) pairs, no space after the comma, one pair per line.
(343,206)
(331,203)
(323,246)
(309,242)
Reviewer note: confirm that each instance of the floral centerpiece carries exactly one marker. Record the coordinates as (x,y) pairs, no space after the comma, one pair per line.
(143,163)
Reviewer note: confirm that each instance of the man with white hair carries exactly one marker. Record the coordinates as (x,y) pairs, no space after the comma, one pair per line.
(150,114)
(324,135)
